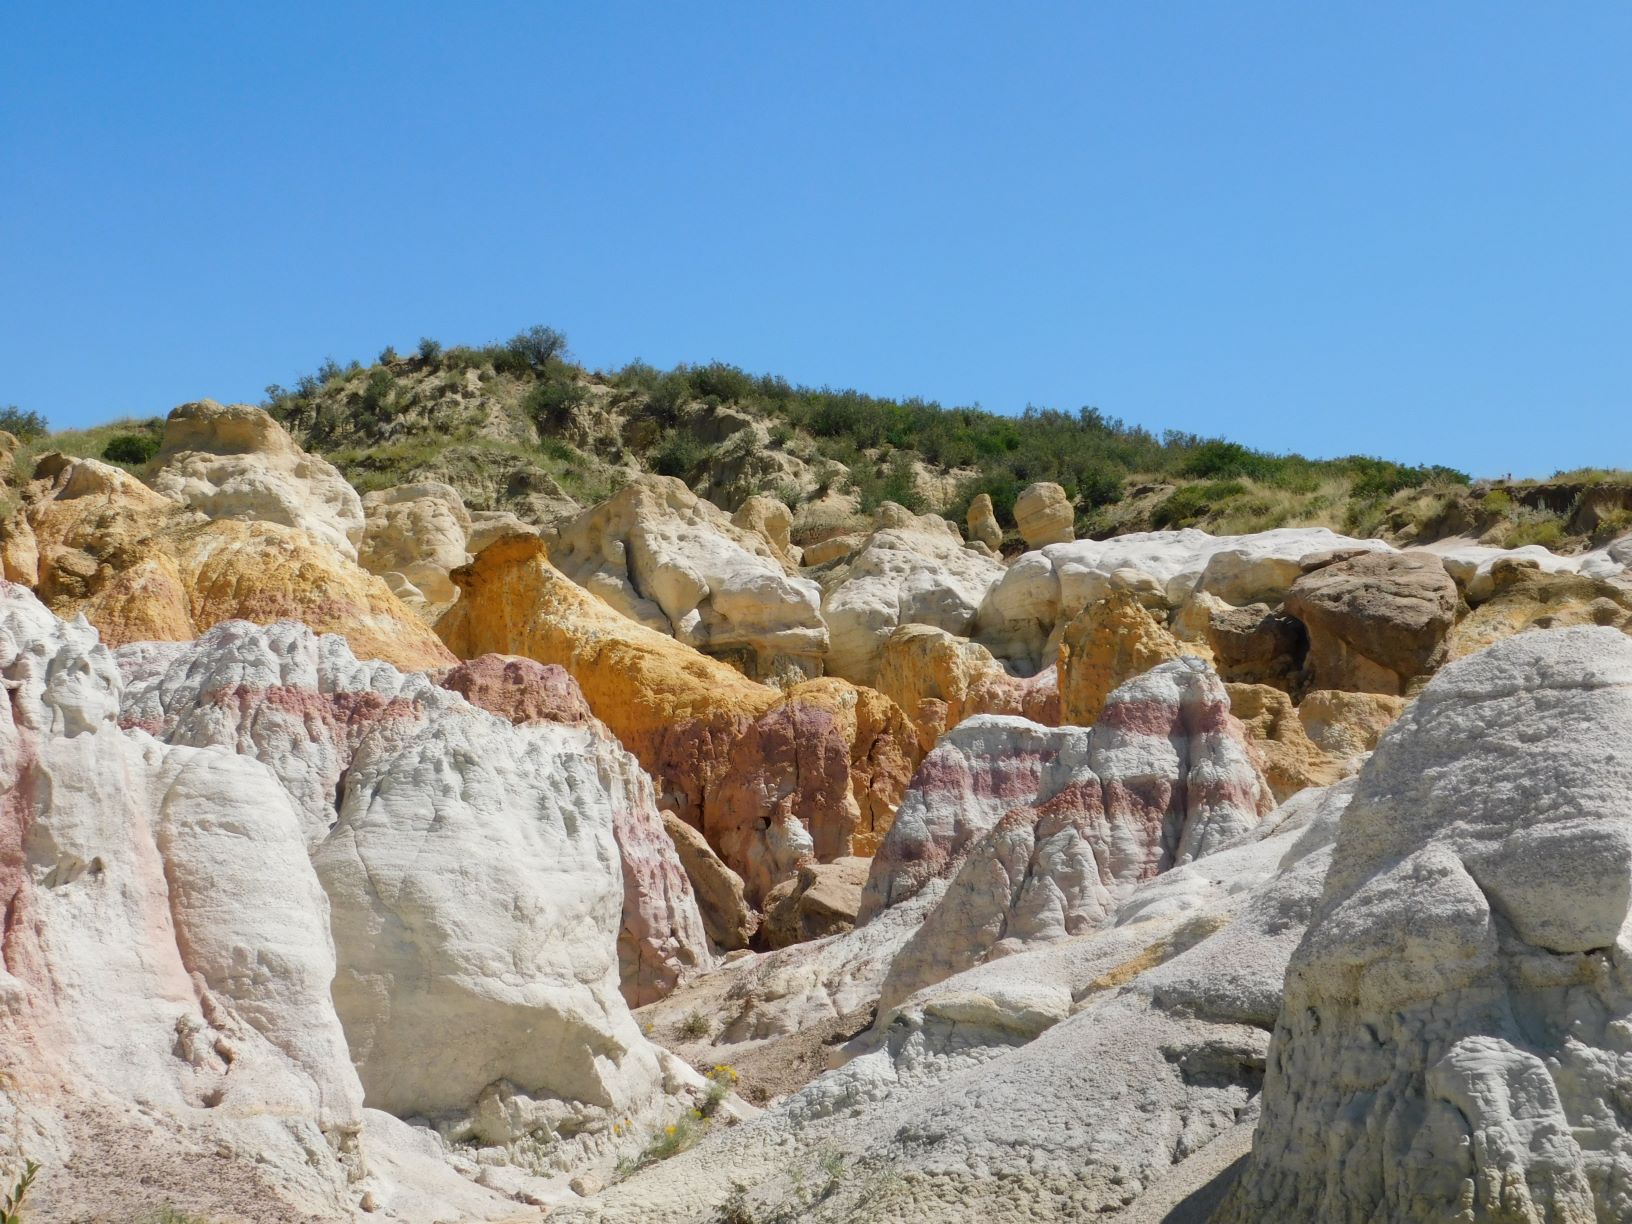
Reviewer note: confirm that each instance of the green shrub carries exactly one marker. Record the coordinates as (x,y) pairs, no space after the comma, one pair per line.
(1548,532)
(1097,484)
(429,350)
(1216,458)
(134,449)
(378,394)
(1189,503)
(679,454)
(11,1206)
(538,347)
(673,1139)
(735,1209)
(1611,524)
(670,394)
(721,382)
(550,404)
(696,1025)
(26,426)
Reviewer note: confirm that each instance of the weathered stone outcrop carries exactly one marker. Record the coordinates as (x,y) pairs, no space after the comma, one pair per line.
(1325,737)
(235,462)
(1044,589)
(771,520)
(331,728)
(1472,566)
(1163,776)
(940,680)
(721,897)
(1108,643)
(1521,595)
(1252,644)
(1043,515)
(675,563)
(1107,1074)
(1291,760)
(912,570)
(1376,622)
(771,777)
(417,532)
(1452,1038)
(166,958)
(821,900)
(982,522)
(1346,726)
(518,689)
(140,568)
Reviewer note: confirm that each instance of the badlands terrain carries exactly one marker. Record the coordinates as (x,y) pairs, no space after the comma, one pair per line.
(474,788)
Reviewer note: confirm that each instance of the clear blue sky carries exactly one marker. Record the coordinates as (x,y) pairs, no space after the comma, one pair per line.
(1390,228)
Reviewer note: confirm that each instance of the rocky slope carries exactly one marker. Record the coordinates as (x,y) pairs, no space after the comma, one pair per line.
(520,427)
(437,851)
(200,965)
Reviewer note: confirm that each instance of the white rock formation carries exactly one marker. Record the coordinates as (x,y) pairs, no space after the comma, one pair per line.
(1175,774)
(417,531)
(1042,590)
(913,569)
(1454,1032)
(473,880)
(1470,563)
(164,985)
(236,462)
(306,707)
(1030,833)
(171,995)
(1112,1071)
(664,557)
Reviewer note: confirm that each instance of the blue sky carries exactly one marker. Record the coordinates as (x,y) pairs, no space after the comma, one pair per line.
(1399,229)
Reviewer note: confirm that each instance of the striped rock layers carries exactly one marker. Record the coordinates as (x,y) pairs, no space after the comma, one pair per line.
(1028,832)
(773,778)
(308,709)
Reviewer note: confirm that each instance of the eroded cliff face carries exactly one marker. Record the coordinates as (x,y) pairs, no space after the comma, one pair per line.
(141,567)
(1451,1040)
(247,915)
(331,726)
(771,777)
(290,877)
(675,563)
(166,950)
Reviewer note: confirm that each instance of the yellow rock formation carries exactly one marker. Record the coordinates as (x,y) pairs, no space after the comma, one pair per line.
(142,568)
(1526,597)
(1108,643)
(939,680)
(772,778)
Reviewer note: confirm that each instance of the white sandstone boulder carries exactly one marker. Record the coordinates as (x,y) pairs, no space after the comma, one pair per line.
(419,532)
(912,570)
(665,558)
(1453,1034)
(167,958)
(305,706)
(236,462)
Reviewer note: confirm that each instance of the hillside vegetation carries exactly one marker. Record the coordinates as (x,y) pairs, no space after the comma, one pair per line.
(520,426)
